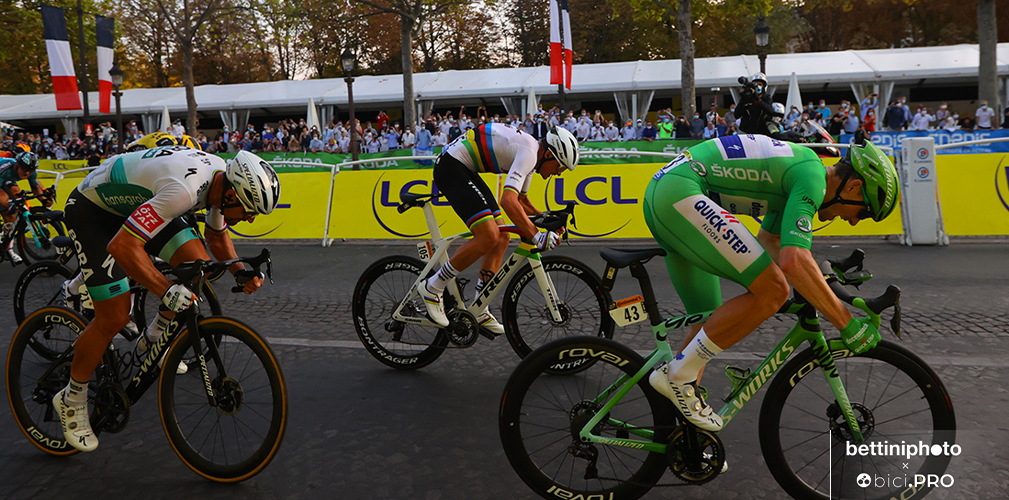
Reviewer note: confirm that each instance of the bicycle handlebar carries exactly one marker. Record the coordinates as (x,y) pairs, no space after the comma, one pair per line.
(837,278)
(188,271)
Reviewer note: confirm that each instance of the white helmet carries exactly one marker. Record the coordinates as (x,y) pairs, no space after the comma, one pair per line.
(778,107)
(758,77)
(255,182)
(564,146)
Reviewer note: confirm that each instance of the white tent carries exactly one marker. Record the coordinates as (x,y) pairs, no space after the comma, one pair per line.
(313,116)
(794,98)
(945,65)
(166,121)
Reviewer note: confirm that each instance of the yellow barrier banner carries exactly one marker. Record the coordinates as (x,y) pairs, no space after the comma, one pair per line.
(609,199)
(974,193)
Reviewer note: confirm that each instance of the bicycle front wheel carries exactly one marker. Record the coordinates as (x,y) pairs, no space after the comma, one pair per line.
(37,246)
(582,300)
(38,287)
(37,369)
(238,437)
(379,291)
(541,415)
(897,400)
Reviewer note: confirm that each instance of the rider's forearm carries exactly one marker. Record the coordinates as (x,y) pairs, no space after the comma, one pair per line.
(528,205)
(516,212)
(222,248)
(772,243)
(128,250)
(801,271)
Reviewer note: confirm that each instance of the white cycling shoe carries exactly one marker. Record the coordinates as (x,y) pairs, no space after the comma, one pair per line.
(12,254)
(490,323)
(687,399)
(76,425)
(435,307)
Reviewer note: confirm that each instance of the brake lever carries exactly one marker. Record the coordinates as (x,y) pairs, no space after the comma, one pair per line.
(895,321)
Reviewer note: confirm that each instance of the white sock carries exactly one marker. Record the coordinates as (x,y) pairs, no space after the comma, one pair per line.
(156,329)
(441,278)
(685,366)
(74,288)
(479,287)
(76,393)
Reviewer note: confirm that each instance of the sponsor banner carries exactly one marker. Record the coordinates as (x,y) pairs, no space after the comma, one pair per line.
(974,193)
(312,161)
(609,204)
(893,140)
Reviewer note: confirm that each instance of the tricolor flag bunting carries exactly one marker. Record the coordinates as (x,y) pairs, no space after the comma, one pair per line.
(556,54)
(568,54)
(61,65)
(103,31)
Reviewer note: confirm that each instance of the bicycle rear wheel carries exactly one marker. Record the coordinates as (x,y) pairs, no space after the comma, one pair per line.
(38,287)
(542,413)
(896,397)
(240,436)
(583,305)
(380,289)
(35,374)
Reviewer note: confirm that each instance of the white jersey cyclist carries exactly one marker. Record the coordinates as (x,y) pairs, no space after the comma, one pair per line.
(498,149)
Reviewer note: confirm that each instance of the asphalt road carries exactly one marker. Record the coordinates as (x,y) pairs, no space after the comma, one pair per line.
(359,430)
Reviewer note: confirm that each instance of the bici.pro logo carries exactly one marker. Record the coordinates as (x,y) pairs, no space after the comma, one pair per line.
(902,454)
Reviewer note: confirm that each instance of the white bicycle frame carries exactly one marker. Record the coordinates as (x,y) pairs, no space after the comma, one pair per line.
(508,269)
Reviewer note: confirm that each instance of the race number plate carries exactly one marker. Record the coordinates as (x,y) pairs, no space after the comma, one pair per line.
(424,250)
(628,311)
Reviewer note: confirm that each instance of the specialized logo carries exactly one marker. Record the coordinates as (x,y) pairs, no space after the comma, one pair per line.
(729,236)
(679,160)
(804,224)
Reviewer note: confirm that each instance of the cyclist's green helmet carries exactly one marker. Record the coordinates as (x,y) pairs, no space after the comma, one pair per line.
(881,186)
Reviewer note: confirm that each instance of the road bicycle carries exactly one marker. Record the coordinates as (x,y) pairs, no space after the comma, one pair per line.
(600,431)
(391,318)
(225,418)
(33,228)
(40,285)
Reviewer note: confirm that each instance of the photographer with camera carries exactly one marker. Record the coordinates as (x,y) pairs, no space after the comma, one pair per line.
(755,107)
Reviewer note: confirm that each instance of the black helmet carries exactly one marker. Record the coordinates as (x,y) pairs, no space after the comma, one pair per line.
(27,160)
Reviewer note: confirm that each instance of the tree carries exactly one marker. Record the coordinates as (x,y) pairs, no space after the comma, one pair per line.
(411,13)
(987,34)
(186,17)
(150,55)
(529,31)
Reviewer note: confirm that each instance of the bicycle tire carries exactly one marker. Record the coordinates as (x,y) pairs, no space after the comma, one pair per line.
(527,322)
(183,401)
(35,249)
(885,365)
(378,292)
(38,287)
(536,422)
(36,345)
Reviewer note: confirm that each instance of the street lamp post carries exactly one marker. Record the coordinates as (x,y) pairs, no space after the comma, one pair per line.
(117,81)
(348,60)
(763,32)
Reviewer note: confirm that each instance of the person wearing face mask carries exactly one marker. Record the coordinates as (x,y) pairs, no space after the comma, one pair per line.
(950,124)
(984,116)
(696,126)
(730,116)
(756,108)
(870,102)
(682,128)
(666,128)
(907,110)
(941,114)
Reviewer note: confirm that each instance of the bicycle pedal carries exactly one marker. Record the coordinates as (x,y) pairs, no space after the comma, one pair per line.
(489,334)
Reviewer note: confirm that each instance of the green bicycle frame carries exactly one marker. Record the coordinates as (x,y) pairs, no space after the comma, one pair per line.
(807,329)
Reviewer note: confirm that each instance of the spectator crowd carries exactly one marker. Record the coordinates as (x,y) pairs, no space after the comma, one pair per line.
(438,129)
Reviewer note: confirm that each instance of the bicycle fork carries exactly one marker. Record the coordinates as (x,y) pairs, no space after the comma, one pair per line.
(825,358)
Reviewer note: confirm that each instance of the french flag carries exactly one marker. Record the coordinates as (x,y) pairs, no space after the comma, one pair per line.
(61,65)
(556,52)
(103,32)
(568,53)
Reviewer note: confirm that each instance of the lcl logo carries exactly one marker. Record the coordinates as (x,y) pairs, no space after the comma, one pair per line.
(557,196)
(1002,181)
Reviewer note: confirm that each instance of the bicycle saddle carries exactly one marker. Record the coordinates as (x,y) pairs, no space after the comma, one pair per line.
(52,216)
(411,198)
(62,242)
(623,257)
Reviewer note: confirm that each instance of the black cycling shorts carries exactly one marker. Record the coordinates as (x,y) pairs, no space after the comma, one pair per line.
(92,228)
(468,194)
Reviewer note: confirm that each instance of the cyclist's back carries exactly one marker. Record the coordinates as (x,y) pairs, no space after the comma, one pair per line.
(499,149)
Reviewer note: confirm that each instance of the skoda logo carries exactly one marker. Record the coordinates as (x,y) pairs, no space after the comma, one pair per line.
(804,224)
(699,168)
(863,480)
(922,153)
(923,172)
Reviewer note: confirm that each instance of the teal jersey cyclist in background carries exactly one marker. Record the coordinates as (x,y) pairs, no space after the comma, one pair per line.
(691,206)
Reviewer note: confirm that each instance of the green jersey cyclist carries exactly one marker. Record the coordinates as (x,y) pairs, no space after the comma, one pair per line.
(23,166)
(500,149)
(689,206)
(129,208)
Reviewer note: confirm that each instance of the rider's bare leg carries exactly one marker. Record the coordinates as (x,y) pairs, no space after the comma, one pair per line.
(737,318)
(492,259)
(485,239)
(189,251)
(111,315)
